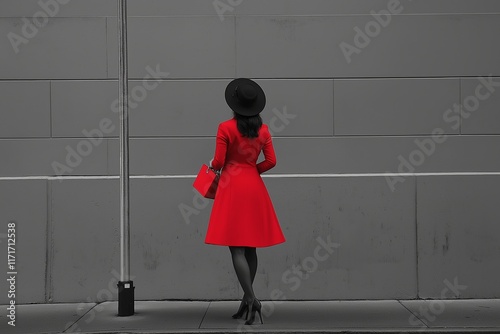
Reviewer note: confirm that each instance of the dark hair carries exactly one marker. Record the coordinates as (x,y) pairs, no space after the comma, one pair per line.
(248,126)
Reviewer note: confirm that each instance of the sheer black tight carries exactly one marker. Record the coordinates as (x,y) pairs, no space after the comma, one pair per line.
(245,265)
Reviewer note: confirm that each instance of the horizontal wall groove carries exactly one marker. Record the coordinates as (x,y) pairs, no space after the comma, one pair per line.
(191,176)
(455,135)
(168,79)
(367,14)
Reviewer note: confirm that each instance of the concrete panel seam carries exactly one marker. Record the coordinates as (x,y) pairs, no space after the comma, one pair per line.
(204,315)
(274,137)
(416,236)
(50,108)
(269,15)
(415,315)
(460,101)
(222,78)
(190,176)
(48,245)
(107,156)
(77,320)
(106,43)
(235,47)
(333,107)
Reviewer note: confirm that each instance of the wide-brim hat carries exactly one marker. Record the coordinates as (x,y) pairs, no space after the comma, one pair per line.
(245,97)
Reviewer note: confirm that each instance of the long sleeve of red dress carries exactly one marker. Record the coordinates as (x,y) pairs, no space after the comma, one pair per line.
(269,156)
(221,142)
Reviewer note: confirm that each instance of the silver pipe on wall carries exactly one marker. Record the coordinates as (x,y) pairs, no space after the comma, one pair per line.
(125,286)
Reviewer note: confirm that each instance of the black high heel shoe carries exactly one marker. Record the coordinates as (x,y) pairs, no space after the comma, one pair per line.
(256,306)
(243,307)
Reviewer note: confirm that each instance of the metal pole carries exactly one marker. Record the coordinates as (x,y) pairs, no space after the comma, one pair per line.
(125,285)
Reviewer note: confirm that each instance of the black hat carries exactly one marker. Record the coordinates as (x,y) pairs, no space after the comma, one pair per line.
(245,97)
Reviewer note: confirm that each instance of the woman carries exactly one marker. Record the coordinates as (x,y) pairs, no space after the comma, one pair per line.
(243,216)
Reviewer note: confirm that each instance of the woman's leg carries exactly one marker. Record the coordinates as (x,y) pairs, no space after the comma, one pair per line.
(242,268)
(251,256)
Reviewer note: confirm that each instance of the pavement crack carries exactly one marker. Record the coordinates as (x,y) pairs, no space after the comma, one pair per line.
(77,320)
(203,318)
(416,316)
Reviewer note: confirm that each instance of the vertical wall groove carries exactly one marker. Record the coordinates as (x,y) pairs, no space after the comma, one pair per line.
(416,236)
(50,108)
(333,107)
(235,46)
(107,55)
(460,101)
(49,251)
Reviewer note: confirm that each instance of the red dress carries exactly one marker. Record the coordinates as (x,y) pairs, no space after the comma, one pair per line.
(242,212)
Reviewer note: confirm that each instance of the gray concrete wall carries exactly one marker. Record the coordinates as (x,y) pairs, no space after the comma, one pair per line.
(390,102)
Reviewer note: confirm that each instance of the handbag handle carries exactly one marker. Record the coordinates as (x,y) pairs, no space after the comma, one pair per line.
(217,172)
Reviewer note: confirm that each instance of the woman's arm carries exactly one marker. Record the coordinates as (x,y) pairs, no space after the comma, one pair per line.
(269,156)
(220,149)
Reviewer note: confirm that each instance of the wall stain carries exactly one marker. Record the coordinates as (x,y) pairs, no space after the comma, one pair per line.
(446,245)
(150,255)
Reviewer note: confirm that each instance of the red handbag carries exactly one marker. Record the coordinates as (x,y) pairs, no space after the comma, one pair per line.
(206,181)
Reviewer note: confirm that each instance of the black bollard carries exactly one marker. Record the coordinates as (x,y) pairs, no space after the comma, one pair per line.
(125,298)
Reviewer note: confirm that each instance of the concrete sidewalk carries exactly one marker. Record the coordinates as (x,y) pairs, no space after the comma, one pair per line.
(389,316)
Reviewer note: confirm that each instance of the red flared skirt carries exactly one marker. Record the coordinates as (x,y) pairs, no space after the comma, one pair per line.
(242,212)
